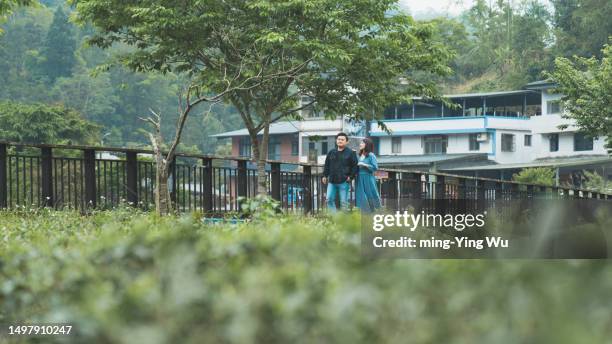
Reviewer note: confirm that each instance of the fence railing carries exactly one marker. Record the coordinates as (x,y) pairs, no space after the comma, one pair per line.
(61,176)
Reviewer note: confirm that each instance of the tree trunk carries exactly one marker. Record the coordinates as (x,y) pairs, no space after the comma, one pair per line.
(260,154)
(163,202)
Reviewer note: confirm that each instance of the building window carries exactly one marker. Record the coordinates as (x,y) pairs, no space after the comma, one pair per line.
(507,142)
(321,144)
(376,145)
(553,141)
(553,107)
(295,145)
(390,112)
(324,147)
(312,146)
(474,144)
(396,145)
(274,148)
(244,146)
(435,144)
(527,140)
(582,142)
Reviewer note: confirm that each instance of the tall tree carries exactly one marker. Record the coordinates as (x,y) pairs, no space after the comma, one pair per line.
(581,27)
(60,47)
(531,38)
(20,74)
(348,56)
(586,85)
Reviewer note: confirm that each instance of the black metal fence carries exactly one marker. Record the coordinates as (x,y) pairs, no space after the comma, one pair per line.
(62,176)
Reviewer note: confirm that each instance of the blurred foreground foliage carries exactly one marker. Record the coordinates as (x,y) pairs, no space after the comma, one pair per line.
(123,276)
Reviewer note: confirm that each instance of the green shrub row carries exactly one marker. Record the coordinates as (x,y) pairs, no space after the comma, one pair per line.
(129,277)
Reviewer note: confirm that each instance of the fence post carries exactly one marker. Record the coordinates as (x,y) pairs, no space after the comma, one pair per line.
(461,189)
(3,178)
(275,176)
(498,191)
(392,190)
(89,157)
(306,187)
(440,192)
(515,191)
(529,191)
(417,188)
(480,190)
(46,166)
(172,172)
(207,188)
(131,176)
(241,178)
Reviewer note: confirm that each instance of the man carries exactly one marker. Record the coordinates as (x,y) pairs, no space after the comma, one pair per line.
(340,169)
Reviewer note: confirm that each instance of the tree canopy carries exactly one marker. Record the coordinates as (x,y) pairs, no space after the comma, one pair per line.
(39,123)
(536,175)
(586,85)
(348,57)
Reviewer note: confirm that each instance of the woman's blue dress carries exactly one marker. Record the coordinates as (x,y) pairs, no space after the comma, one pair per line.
(366,193)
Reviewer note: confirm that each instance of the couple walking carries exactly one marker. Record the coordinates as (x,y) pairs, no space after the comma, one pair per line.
(342,165)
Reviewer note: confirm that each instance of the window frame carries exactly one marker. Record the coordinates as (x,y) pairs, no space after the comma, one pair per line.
(474,144)
(396,145)
(504,143)
(527,140)
(553,145)
(558,105)
(584,141)
(295,145)
(244,143)
(433,141)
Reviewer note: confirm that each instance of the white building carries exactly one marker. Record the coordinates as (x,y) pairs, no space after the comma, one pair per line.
(492,134)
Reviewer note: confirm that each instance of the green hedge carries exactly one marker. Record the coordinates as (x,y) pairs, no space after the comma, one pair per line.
(126,277)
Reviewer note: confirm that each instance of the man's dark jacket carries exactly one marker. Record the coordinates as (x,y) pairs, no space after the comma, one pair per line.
(340,164)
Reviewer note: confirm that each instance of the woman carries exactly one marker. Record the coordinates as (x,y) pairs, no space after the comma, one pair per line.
(366,192)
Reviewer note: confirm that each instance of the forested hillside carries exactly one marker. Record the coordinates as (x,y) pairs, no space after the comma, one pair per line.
(505,44)
(44,58)
(499,45)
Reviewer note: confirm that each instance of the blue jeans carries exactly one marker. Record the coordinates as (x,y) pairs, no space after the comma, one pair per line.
(342,190)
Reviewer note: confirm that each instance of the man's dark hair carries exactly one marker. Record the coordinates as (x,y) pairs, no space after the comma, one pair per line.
(342,134)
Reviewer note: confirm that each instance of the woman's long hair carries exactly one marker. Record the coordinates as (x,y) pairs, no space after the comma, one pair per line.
(369,147)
